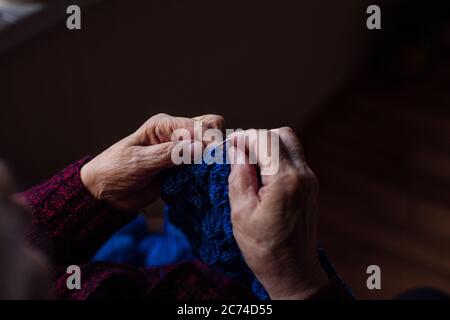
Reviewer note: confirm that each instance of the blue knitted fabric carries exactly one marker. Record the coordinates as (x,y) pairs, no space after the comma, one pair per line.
(196,198)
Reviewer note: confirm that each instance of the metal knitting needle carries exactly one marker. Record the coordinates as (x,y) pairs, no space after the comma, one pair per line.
(222,143)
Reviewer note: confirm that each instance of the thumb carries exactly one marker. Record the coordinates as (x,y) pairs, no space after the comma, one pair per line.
(165,155)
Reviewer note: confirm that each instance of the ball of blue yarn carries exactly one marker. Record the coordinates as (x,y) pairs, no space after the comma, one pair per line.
(197,203)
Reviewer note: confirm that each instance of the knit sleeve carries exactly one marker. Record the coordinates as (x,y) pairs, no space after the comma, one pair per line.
(336,288)
(102,280)
(68,223)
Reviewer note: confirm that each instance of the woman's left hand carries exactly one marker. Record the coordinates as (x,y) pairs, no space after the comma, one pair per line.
(124,174)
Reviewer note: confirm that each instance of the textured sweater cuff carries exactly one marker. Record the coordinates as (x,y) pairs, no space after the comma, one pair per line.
(67,221)
(336,288)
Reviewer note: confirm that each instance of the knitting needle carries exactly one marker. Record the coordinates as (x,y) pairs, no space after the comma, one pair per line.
(222,143)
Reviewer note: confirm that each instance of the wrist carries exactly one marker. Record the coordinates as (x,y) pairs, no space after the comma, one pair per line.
(87,180)
(299,284)
(304,289)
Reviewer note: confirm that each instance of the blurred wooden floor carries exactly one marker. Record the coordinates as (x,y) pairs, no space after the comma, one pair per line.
(382,156)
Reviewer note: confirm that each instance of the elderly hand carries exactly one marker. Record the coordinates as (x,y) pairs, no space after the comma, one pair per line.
(274,223)
(125,175)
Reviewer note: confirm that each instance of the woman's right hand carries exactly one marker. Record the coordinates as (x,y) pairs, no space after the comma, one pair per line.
(275,224)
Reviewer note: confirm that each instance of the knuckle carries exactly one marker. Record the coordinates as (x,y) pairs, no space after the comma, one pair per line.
(211,116)
(252,133)
(211,120)
(153,128)
(287,131)
(159,116)
(218,120)
(236,216)
(163,128)
(289,134)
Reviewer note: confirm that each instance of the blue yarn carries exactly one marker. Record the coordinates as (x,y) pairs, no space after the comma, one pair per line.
(168,248)
(120,249)
(197,203)
(122,246)
(133,244)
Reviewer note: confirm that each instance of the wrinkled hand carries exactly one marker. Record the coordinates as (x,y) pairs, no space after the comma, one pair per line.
(274,223)
(125,174)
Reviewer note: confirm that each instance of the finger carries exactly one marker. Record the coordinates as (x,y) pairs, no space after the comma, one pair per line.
(295,174)
(242,184)
(208,128)
(213,121)
(292,145)
(246,141)
(161,128)
(164,155)
(262,148)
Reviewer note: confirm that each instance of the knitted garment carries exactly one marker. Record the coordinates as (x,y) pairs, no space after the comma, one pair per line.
(196,198)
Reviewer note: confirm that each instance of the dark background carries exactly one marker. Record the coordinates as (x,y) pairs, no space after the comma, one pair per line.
(371,107)
(257,63)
